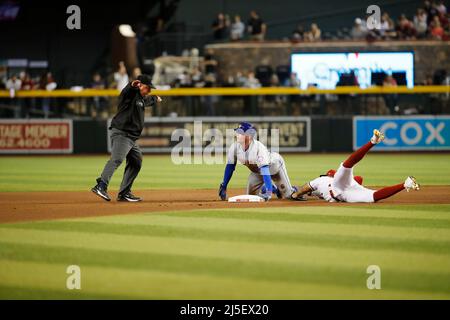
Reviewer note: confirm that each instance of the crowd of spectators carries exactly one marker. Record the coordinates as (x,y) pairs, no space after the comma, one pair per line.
(431,21)
(24,81)
(223,28)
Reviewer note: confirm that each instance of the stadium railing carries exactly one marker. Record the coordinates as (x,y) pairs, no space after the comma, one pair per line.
(226,101)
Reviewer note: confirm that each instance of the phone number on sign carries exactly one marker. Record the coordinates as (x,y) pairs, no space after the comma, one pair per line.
(24,143)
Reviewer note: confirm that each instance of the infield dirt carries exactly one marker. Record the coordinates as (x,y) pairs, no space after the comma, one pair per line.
(34,206)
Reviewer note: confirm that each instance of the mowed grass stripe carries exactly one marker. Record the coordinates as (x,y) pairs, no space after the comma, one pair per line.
(282,227)
(164,285)
(180,230)
(439,212)
(280,215)
(268,252)
(220,267)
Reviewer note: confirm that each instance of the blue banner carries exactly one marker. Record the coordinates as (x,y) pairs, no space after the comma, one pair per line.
(421,133)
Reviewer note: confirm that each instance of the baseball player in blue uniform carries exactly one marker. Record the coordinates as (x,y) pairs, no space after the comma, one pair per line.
(265,166)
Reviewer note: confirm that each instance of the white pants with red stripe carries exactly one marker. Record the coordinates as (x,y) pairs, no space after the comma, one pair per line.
(346,189)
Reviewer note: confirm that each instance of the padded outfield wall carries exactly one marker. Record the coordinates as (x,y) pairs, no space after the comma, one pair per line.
(296,134)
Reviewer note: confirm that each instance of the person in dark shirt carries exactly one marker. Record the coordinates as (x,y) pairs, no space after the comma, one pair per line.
(219,27)
(126,127)
(256,27)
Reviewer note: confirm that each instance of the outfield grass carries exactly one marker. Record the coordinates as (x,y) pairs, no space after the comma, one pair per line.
(310,252)
(158,172)
(291,252)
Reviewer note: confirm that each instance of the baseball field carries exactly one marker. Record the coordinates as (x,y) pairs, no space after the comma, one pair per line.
(181,242)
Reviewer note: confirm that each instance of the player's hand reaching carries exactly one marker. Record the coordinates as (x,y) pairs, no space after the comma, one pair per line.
(222,192)
(266,195)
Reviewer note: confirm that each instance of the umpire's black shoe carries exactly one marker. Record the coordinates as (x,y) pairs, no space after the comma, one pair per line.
(128,197)
(101,190)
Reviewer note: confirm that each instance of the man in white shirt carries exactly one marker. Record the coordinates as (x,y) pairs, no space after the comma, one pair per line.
(265,166)
(342,186)
(121,76)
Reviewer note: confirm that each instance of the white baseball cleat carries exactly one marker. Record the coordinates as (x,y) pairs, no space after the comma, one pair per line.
(411,184)
(377,137)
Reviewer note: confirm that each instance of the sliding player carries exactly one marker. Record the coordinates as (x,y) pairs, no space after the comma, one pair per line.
(342,186)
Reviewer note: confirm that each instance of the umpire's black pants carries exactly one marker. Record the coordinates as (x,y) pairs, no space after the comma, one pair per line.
(123,147)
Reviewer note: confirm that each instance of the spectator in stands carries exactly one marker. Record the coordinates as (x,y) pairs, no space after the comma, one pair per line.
(315,34)
(298,33)
(387,27)
(430,9)
(121,76)
(252,81)
(237,29)
(359,30)
(443,18)
(14,83)
(256,27)
(136,72)
(293,81)
(49,84)
(230,82)
(436,30)
(219,27)
(100,103)
(27,104)
(420,23)
(210,63)
(185,80)
(240,79)
(274,82)
(405,28)
(210,101)
(441,8)
(197,78)
(391,100)
(27,83)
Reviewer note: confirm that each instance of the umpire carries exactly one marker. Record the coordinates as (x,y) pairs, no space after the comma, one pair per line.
(126,127)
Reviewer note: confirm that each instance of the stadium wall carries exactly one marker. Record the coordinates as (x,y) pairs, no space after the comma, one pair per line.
(295,134)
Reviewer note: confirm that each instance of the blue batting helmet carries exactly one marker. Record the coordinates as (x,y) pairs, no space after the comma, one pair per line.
(246,129)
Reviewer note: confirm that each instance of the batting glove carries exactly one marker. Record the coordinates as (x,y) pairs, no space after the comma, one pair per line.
(223,192)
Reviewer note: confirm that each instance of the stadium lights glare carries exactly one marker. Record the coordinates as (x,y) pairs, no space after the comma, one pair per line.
(126,31)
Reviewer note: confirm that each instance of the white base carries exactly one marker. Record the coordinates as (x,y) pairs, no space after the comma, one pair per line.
(246,198)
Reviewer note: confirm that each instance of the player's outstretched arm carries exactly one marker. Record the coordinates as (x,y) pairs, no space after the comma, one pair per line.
(305,189)
(265,172)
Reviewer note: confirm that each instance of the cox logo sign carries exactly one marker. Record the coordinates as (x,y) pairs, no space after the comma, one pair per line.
(404,133)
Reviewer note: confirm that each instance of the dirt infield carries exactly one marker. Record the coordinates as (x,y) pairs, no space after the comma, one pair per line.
(33,206)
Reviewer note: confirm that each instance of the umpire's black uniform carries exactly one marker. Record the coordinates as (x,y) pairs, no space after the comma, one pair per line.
(126,128)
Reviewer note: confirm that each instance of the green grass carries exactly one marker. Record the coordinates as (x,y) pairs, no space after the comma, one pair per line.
(262,253)
(308,252)
(158,172)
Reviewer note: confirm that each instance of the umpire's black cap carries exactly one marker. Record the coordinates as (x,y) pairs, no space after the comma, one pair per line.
(147,80)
